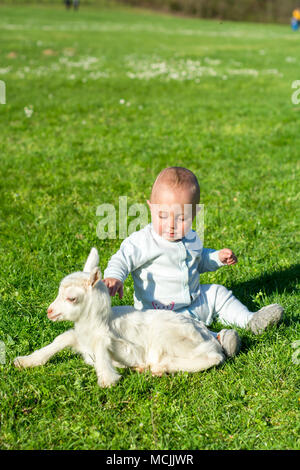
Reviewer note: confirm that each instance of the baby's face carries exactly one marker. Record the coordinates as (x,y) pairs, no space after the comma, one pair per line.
(172,213)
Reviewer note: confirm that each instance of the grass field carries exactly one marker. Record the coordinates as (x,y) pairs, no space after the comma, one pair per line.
(97,103)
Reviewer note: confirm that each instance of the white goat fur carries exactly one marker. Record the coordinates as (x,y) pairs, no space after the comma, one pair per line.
(109,337)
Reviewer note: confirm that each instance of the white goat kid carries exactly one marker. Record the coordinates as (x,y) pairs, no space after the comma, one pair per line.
(159,340)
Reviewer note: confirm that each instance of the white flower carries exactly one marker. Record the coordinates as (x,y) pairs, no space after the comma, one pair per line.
(5,70)
(28,110)
(122,101)
(290,59)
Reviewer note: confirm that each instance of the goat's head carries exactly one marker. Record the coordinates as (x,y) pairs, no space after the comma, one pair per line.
(77,291)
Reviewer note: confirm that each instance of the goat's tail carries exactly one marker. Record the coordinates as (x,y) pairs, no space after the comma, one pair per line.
(92,261)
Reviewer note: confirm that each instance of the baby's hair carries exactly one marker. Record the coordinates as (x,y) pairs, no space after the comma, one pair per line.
(178,177)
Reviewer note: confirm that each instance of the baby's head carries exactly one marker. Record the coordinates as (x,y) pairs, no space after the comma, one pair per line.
(173,202)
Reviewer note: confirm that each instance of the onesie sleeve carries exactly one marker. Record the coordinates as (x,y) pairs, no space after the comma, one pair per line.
(209,260)
(122,262)
(129,257)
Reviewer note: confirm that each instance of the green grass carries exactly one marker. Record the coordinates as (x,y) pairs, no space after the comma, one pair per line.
(235,126)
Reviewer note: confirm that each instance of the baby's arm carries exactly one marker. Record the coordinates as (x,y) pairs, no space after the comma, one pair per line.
(211,260)
(124,261)
(226,256)
(114,286)
(117,271)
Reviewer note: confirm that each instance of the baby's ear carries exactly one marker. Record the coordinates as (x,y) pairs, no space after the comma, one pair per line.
(95,276)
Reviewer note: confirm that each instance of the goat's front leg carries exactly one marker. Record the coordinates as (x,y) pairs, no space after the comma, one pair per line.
(106,373)
(41,356)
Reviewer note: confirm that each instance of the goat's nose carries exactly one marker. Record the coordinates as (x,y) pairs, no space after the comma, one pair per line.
(49,311)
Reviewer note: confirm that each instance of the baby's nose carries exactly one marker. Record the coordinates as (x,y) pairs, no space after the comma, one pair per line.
(172,221)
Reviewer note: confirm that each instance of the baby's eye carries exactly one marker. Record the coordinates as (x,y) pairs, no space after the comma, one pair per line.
(163,215)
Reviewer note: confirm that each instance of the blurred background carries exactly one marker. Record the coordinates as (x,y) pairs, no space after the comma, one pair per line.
(237,10)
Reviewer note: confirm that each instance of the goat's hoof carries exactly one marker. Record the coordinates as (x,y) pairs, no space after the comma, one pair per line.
(105,383)
(28,361)
(20,362)
(157,372)
(140,369)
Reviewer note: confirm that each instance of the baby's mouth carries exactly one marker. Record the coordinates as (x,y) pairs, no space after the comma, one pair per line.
(171,235)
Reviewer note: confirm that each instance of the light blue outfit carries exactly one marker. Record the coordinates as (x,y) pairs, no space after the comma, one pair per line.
(166,276)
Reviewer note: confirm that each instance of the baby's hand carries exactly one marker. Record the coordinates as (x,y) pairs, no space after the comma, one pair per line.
(227,256)
(114,286)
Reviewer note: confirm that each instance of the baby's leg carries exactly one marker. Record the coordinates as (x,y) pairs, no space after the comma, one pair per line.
(225,306)
(231,311)
(218,302)
(203,311)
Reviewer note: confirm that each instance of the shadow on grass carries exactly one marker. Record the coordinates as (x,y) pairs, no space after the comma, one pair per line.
(283,281)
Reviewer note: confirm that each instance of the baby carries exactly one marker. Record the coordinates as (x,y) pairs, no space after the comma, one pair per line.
(166,257)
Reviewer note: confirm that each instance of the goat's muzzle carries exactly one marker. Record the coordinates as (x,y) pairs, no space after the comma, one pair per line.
(50,314)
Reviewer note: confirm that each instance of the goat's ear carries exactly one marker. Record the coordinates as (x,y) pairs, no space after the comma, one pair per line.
(92,261)
(95,276)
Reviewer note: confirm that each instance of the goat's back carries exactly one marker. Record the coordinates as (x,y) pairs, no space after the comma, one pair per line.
(163,328)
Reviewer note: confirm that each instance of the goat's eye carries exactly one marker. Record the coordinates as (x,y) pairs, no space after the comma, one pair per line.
(71,299)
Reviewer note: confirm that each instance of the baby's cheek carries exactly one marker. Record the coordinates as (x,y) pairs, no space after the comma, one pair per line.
(159,226)
(185,228)
(161,229)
